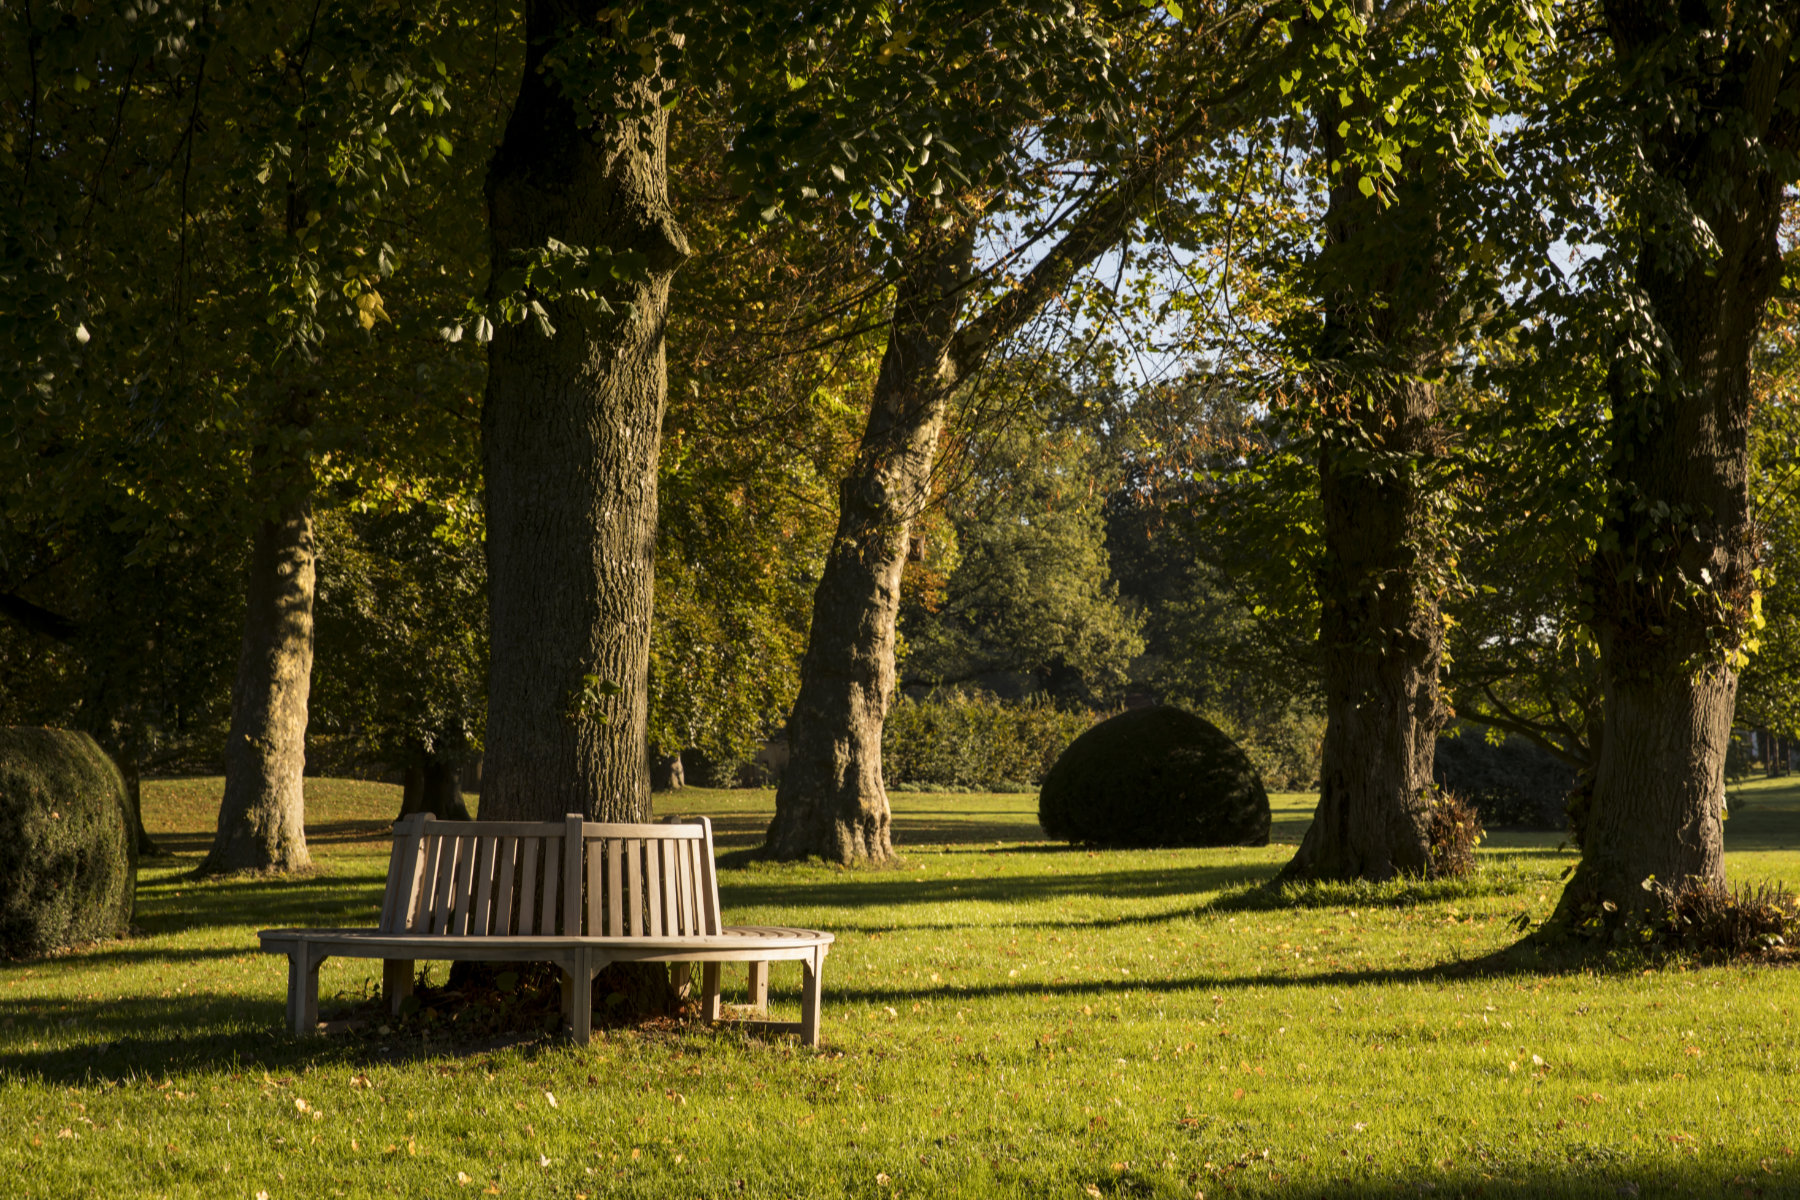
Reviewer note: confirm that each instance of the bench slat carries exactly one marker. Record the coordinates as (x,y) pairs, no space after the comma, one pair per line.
(684,887)
(709,881)
(671,908)
(528,858)
(595,915)
(418,918)
(552,867)
(463,902)
(446,883)
(653,905)
(390,895)
(482,919)
(615,887)
(634,888)
(503,887)
(573,844)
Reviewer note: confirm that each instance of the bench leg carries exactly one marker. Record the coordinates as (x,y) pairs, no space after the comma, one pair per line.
(303,990)
(811,996)
(578,995)
(709,991)
(396,982)
(683,977)
(758,988)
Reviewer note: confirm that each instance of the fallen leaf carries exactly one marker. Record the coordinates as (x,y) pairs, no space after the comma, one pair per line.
(881,1179)
(551,1098)
(462,1179)
(543,1160)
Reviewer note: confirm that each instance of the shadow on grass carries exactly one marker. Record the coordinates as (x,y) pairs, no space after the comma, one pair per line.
(1596,1172)
(1504,878)
(148,1036)
(886,891)
(268,902)
(744,831)
(328,833)
(157,1037)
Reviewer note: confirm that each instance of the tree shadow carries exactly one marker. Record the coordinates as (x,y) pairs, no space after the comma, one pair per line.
(268,902)
(190,843)
(895,890)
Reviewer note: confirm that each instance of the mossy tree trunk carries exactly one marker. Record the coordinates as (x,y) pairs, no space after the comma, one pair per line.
(1671,586)
(262,815)
(1380,634)
(831,800)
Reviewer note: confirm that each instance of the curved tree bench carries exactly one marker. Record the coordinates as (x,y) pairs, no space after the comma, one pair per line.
(580,894)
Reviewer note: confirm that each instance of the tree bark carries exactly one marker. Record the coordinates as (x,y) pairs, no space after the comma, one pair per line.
(432,783)
(1671,585)
(1380,634)
(571,430)
(831,800)
(262,815)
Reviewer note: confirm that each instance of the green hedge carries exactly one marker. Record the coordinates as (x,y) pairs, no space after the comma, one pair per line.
(971,740)
(67,869)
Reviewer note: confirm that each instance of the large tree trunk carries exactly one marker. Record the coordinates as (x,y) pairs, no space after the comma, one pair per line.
(262,816)
(831,800)
(1381,645)
(1380,636)
(571,431)
(1672,585)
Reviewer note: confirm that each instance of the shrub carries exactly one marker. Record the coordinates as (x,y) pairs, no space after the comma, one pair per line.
(1712,922)
(1455,832)
(1513,782)
(1284,746)
(973,741)
(1155,777)
(67,865)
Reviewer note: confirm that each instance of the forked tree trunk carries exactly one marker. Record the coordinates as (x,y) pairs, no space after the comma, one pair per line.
(262,816)
(571,431)
(1672,586)
(831,800)
(1380,637)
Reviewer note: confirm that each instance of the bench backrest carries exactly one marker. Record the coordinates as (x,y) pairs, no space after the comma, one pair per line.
(525,878)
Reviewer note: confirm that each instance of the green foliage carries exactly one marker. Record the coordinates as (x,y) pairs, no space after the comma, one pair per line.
(1508,779)
(229,234)
(1021,555)
(400,666)
(1154,777)
(1769,686)
(971,740)
(68,867)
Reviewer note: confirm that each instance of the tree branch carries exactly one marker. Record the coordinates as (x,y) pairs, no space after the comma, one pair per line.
(38,620)
(1108,219)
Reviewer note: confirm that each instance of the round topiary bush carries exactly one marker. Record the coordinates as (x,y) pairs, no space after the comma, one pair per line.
(1155,777)
(67,869)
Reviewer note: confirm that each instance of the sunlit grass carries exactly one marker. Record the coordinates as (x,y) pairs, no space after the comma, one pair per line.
(1004,1016)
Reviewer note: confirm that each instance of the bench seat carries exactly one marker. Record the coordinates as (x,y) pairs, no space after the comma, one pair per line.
(490,892)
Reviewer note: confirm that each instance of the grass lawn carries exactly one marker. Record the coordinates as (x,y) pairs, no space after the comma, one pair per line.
(1003,1016)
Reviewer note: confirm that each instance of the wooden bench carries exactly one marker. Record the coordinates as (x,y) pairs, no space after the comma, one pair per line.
(580,894)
